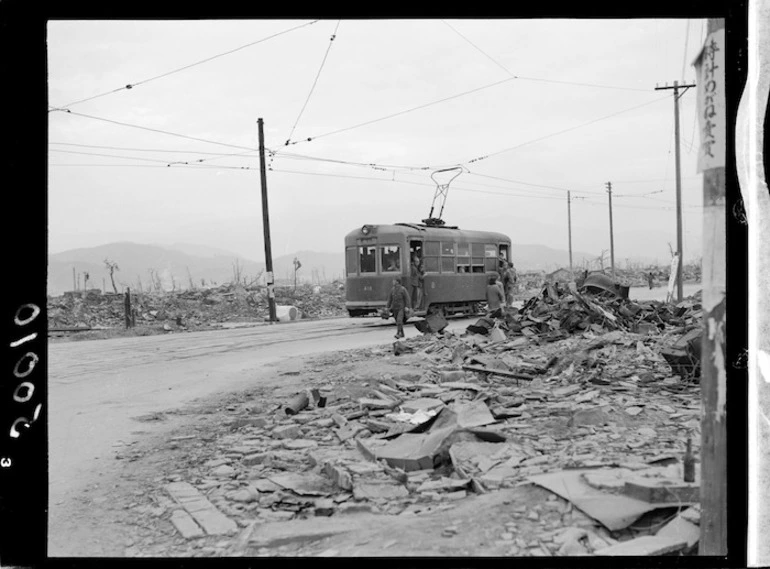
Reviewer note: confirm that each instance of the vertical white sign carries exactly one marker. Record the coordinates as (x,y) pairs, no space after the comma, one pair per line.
(710,69)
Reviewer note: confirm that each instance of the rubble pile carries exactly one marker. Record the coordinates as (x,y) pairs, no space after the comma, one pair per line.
(594,413)
(190,309)
(560,310)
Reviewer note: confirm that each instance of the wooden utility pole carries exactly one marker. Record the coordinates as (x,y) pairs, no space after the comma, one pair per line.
(715,512)
(270,278)
(676,86)
(612,236)
(74,280)
(569,230)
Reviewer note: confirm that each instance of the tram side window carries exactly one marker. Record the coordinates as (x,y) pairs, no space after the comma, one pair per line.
(391,259)
(367,257)
(351,260)
(463,258)
(477,257)
(431,256)
(490,254)
(447,257)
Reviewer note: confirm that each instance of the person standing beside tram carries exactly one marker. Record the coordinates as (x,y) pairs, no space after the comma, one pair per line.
(398,303)
(510,283)
(495,298)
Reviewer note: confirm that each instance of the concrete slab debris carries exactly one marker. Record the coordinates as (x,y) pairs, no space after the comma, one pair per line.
(680,528)
(339,476)
(474,414)
(615,512)
(372,490)
(442,484)
(662,490)
(185,524)
(204,512)
(421,404)
(304,484)
(286,432)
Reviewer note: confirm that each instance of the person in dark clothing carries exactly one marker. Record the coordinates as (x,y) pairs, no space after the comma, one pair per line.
(495,298)
(649,279)
(398,302)
(417,276)
(510,279)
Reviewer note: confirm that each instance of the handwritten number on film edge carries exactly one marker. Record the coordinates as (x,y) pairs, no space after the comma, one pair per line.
(22,369)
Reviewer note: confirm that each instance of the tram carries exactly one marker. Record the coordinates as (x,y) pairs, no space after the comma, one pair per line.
(457,265)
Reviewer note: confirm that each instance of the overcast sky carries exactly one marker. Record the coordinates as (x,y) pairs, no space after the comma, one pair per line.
(531,80)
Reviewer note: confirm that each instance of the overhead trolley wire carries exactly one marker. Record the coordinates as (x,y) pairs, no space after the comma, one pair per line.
(485,156)
(315,81)
(141,149)
(159,131)
(374,165)
(108,155)
(417,108)
(324,174)
(535,185)
(514,76)
(136,84)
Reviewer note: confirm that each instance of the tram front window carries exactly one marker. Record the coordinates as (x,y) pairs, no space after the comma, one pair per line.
(391,259)
(367,257)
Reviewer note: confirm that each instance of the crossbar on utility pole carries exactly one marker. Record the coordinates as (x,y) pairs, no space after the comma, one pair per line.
(270,280)
(612,236)
(569,231)
(676,86)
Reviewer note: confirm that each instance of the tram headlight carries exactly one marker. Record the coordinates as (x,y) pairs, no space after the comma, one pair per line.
(365,230)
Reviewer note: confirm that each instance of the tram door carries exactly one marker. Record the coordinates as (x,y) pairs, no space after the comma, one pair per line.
(415,250)
(504,252)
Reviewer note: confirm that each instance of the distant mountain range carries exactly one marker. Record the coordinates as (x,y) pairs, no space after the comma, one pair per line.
(179,266)
(182,264)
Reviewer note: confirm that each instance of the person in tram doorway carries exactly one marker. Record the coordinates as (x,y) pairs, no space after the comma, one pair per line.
(398,303)
(510,280)
(495,299)
(417,276)
(650,279)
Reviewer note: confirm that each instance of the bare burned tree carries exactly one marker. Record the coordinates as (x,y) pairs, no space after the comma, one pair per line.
(155,283)
(112,266)
(237,270)
(189,277)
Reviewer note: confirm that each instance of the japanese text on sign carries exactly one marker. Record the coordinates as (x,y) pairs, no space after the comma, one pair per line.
(709,66)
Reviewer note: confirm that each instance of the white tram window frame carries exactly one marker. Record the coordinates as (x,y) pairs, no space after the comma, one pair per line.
(373,249)
(389,250)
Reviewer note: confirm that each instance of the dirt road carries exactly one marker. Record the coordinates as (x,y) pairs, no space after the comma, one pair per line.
(103,394)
